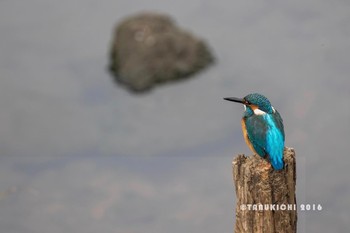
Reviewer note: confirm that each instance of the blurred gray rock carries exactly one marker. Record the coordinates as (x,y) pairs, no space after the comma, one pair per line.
(149,48)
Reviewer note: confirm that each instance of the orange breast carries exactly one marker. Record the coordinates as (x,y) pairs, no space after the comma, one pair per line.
(245,135)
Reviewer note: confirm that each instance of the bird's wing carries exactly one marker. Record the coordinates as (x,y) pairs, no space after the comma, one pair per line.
(256,129)
(267,136)
(279,122)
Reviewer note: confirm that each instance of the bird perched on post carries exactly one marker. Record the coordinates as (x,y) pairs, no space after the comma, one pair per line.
(262,128)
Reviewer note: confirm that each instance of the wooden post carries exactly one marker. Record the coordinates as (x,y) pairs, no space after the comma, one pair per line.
(266,201)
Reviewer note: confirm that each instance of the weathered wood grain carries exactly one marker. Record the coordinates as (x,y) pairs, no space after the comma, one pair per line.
(264,192)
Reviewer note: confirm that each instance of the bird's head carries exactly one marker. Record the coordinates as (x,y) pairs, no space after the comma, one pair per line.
(254,104)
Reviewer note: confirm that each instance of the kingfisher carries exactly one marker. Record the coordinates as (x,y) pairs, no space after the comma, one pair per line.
(262,128)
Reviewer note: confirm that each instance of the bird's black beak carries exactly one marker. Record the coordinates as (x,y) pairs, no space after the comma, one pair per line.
(234,99)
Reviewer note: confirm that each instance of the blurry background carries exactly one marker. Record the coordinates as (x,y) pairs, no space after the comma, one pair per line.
(80,154)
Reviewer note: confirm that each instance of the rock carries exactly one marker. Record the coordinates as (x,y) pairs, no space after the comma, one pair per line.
(149,48)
